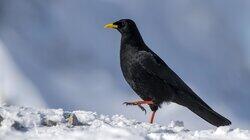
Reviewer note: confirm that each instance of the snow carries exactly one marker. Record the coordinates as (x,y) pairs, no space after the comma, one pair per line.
(30,123)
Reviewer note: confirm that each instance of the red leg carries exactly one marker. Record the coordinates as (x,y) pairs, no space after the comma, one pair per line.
(152,117)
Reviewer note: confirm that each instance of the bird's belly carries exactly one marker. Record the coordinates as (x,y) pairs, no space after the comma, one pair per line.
(148,86)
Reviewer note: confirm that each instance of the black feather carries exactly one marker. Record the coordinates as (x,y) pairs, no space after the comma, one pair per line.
(151,78)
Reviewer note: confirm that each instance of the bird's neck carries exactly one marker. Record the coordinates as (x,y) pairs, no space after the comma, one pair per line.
(132,38)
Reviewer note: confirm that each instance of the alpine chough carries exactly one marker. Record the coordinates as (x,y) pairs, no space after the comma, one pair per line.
(152,79)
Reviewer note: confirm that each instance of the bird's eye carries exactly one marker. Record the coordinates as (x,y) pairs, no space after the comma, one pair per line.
(123,24)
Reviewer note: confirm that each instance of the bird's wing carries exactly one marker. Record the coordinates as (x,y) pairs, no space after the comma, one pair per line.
(154,65)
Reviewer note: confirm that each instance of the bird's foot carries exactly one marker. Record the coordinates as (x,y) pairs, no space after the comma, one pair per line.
(130,103)
(139,104)
(133,103)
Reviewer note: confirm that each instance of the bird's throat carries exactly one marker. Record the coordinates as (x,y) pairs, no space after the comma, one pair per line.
(132,38)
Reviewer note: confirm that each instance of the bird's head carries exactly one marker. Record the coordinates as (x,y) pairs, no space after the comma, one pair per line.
(124,26)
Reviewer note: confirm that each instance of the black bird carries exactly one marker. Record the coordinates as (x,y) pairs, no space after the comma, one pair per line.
(152,79)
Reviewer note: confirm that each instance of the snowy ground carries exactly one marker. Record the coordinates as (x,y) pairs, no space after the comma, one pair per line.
(29,123)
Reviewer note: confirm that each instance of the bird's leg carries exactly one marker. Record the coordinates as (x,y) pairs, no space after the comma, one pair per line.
(152,117)
(140,103)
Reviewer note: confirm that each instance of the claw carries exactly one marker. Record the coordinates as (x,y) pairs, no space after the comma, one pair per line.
(142,108)
(133,103)
(129,103)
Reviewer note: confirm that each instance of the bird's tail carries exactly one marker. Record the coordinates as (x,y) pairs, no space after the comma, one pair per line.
(199,107)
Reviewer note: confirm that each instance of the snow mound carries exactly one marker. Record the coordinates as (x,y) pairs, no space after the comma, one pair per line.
(30,123)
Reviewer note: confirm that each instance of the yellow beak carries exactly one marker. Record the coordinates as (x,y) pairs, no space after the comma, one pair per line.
(111,25)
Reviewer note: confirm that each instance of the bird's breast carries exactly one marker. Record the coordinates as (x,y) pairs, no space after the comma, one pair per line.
(128,63)
(132,71)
